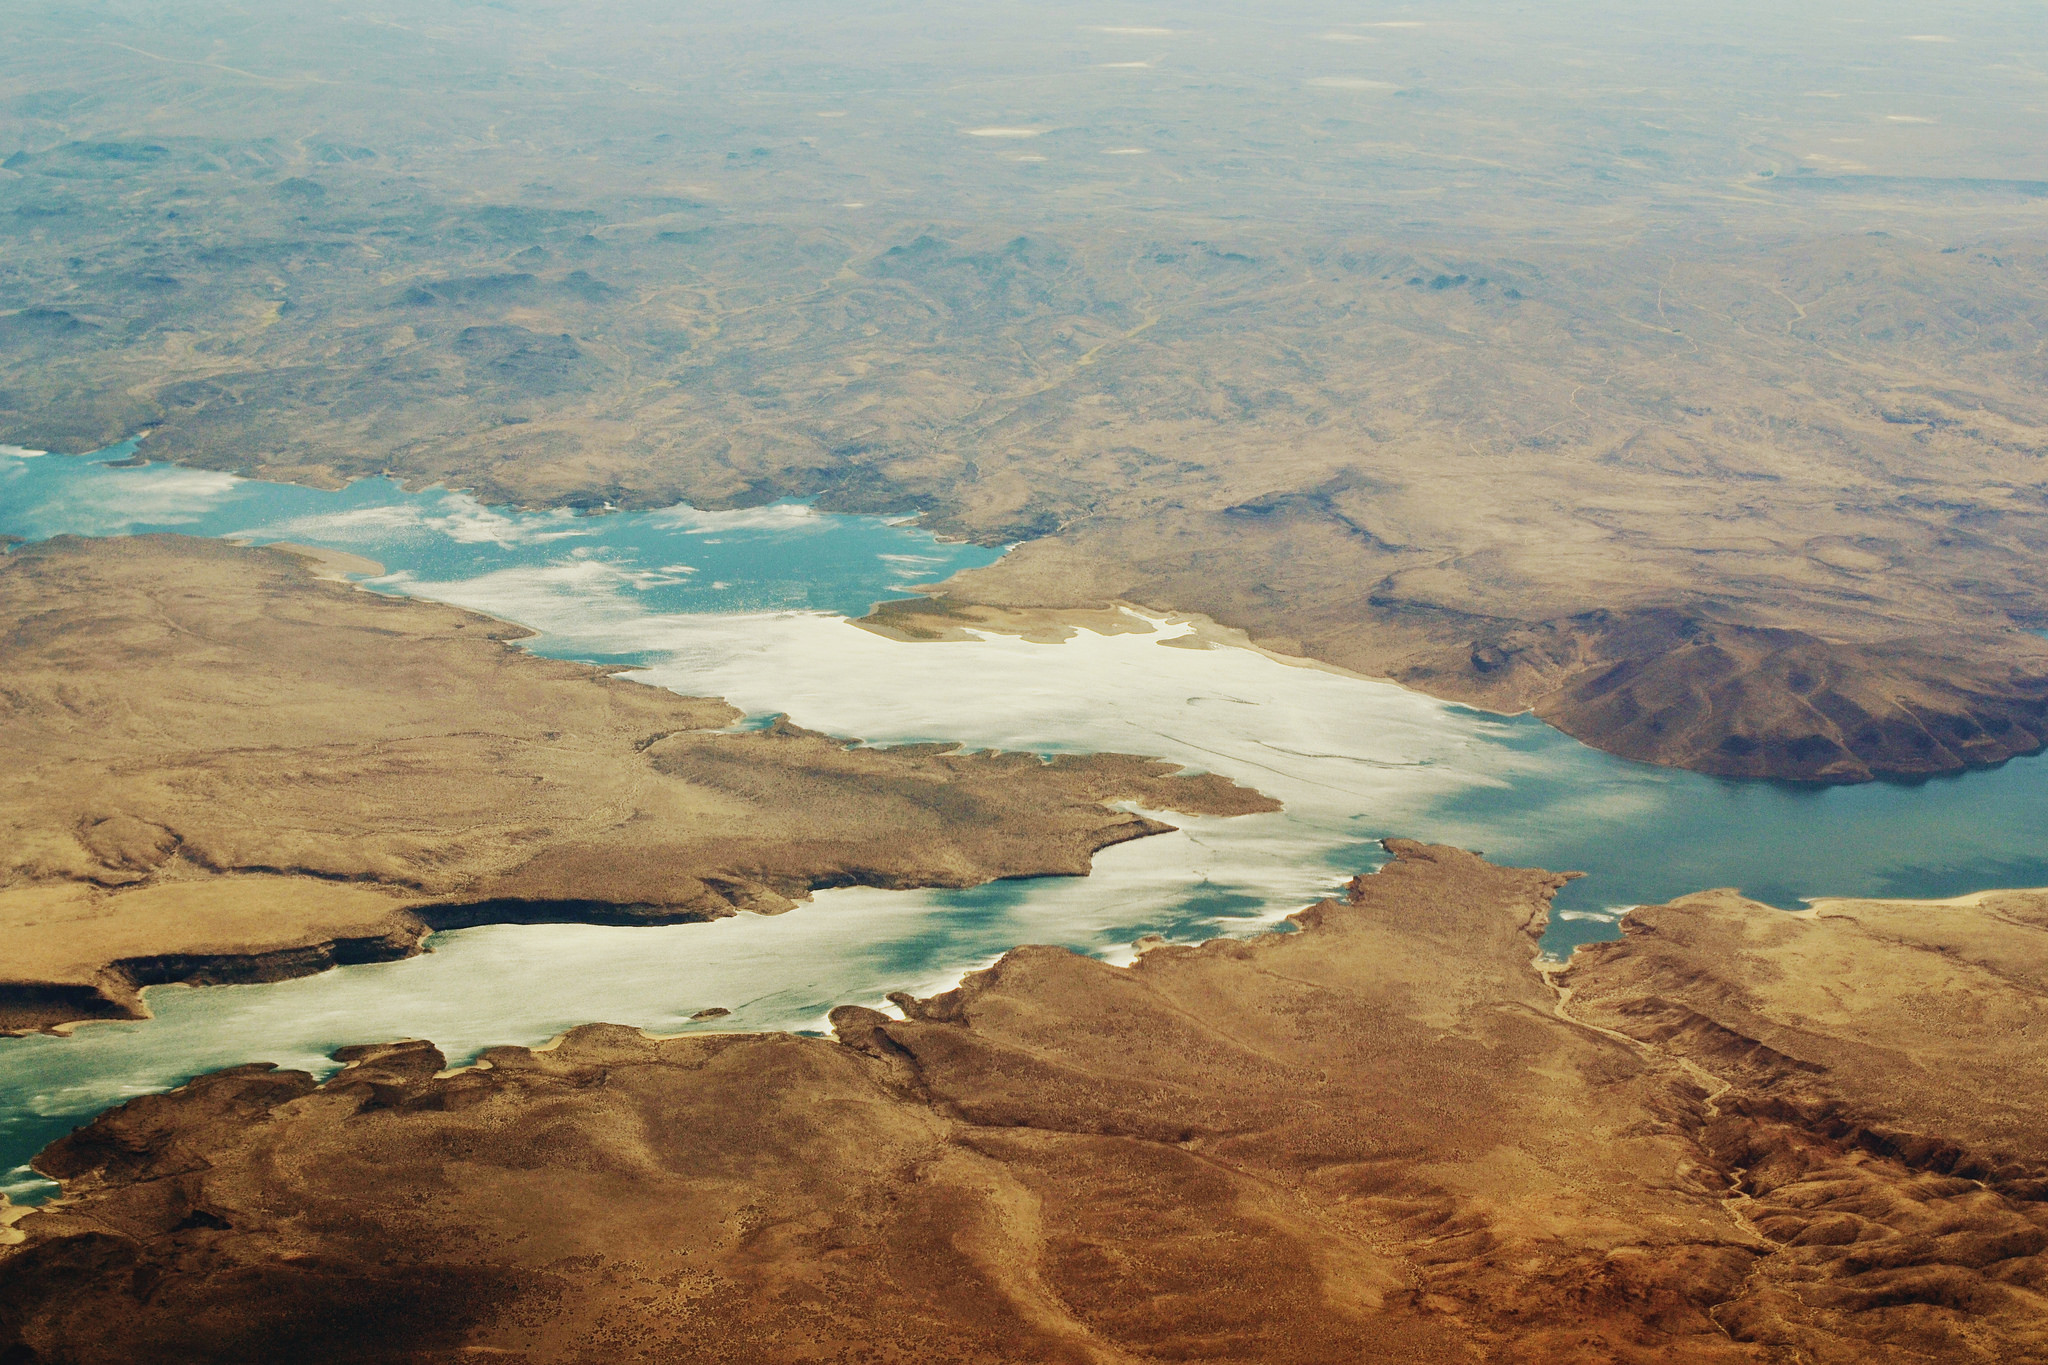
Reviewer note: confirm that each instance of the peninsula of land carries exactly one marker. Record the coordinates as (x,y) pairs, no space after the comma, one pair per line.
(1736,1135)
(217,764)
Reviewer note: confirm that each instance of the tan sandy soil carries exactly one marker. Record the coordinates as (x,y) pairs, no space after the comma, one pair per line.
(1380,1138)
(217,766)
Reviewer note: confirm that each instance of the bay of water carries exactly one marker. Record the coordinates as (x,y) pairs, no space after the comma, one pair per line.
(752,606)
(781,557)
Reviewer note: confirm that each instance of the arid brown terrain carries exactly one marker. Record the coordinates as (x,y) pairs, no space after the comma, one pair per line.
(1884,1127)
(217,765)
(1682,383)
(1678,374)
(1738,1136)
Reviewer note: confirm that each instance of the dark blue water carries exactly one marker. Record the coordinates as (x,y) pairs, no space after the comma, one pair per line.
(1778,842)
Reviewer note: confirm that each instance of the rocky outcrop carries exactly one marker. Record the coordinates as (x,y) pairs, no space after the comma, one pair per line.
(1882,1126)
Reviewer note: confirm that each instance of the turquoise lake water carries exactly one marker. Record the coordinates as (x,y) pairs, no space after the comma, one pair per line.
(780,557)
(752,605)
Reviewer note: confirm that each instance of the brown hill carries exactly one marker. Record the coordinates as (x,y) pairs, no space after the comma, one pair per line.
(1383,1137)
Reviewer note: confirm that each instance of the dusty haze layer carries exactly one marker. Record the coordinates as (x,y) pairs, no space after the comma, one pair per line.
(215,765)
(1381,1137)
(1680,377)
